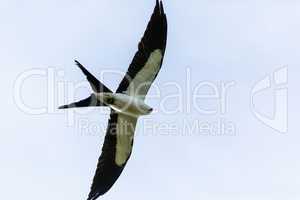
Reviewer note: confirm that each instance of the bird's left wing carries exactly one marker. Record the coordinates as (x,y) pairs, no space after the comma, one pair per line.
(148,60)
(116,151)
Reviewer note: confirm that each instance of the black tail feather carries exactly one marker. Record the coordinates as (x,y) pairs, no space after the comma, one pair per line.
(91,101)
(96,85)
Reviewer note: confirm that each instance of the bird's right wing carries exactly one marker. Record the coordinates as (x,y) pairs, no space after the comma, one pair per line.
(148,59)
(116,151)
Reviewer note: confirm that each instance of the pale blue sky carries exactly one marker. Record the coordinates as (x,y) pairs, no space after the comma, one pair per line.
(218,41)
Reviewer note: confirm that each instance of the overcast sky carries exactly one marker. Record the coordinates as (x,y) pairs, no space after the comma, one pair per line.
(218,49)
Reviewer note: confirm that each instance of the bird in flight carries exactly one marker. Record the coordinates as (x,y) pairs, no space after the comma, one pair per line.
(127,103)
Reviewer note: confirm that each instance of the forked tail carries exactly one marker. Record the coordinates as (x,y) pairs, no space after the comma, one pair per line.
(97,87)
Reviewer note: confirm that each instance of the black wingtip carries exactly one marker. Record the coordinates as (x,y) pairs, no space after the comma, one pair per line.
(162,10)
(156,9)
(93,196)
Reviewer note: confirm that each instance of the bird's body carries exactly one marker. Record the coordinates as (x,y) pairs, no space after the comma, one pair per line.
(127,104)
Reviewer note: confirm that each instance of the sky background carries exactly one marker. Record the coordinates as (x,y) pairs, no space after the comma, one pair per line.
(50,155)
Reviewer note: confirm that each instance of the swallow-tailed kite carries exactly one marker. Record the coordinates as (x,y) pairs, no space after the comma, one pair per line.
(127,104)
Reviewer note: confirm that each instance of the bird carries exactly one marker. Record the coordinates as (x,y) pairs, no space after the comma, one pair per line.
(127,104)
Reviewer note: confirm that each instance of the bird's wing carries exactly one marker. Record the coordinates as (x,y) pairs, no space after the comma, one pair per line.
(116,151)
(148,59)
